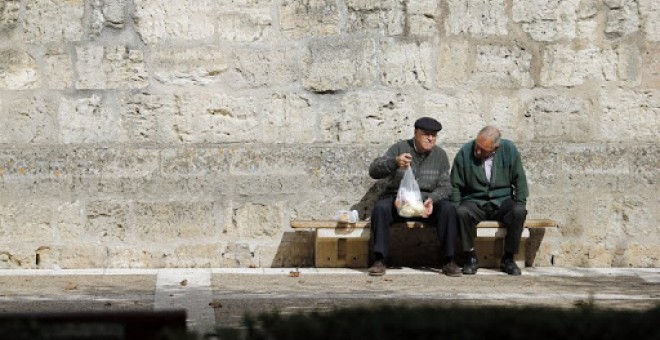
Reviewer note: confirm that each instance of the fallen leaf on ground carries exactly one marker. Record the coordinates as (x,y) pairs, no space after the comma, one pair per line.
(294,274)
(215,304)
(184,283)
(71,286)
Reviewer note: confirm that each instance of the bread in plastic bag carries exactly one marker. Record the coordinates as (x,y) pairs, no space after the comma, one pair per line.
(410,196)
(345,216)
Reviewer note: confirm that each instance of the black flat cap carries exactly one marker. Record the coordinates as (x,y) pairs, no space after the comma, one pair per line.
(428,124)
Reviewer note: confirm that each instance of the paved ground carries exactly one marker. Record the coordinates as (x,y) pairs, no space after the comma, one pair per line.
(220,297)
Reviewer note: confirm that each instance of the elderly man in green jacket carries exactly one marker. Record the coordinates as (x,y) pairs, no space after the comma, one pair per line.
(489,183)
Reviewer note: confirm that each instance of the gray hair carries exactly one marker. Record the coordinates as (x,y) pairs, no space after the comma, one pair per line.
(492,133)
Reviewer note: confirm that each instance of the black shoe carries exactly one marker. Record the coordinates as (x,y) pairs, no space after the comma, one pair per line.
(451,269)
(471,265)
(510,267)
(377,269)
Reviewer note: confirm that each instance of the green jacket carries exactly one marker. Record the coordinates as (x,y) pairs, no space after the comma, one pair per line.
(431,170)
(508,180)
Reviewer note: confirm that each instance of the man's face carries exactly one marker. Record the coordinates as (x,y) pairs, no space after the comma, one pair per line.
(425,140)
(484,147)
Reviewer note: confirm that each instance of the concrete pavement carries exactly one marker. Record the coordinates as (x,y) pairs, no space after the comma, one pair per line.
(220,297)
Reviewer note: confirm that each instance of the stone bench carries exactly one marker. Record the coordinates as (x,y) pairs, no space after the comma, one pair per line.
(347,244)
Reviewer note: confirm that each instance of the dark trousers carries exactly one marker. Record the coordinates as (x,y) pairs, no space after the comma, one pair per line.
(384,214)
(511,213)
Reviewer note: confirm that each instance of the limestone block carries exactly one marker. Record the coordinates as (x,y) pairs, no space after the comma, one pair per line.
(110,13)
(567,67)
(212,118)
(480,18)
(339,64)
(18,70)
(643,255)
(205,255)
(144,116)
(558,117)
(256,221)
(422,16)
(239,255)
(247,187)
(108,221)
(58,69)
(74,256)
(247,24)
(380,116)
(289,117)
(651,71)
(303,18)
(599,256)
(629,115)
(25,221)
(547,20)
(453,62)
(507,114)
(622,17)
(589,159)
(459,112)
(54,21)
(644,159)
(32,163)
(12,257)
(274,160)
(385,16)
(70,221)
(130,257)
(28,120)
(265,67)
(87,120)
(406,63)
(502,66)
(110,67)
(295,250)
(195,161)
(650,13)
(572,253)
(542,165)
(166,20)
(114,162)
(9,10)
(198,65)
(629,64)
(164,222)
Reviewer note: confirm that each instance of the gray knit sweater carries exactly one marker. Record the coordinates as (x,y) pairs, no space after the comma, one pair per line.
(431,170)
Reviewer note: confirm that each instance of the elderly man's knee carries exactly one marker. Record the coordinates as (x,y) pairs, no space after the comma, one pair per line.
(383,205)
(519,210)
(462,210)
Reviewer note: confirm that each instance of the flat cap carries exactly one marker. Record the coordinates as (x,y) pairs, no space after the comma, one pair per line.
(428,124)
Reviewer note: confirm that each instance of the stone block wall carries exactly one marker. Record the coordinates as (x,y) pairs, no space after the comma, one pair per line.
(171,133)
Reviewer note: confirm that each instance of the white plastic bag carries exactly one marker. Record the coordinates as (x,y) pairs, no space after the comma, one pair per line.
(345,216)
(409,196)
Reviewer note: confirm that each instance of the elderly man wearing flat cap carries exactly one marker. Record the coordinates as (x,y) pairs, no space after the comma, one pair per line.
(430,166)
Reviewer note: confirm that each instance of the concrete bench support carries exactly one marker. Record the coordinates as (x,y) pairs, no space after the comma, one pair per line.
(347,244)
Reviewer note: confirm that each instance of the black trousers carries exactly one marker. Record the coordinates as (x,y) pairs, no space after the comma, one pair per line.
(443,217)
(511,213)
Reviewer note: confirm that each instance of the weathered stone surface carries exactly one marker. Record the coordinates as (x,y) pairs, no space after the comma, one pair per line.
(87,120)
(54,21)
(651,71)
(73,256)
(107,13)
(335,65)
(239,255)
(502,66)
(479,18)
(386,16)
(548,20)
(289,117)
(206,255)
(157,221)
(587,159)
(622,17)
(195,161)
(255,221)
(113,162)
(165,20)
(246,23)
(453,62)
(9,10)
(110,67)
(423,18)
(406,64)
(302,18)
(58,69)
(460,114)
(18,71)
(200,65)
(558,117)
(650,13)
(108,222)
(30,119)
(261,67)
(26,222)
(629,115)
(567,67)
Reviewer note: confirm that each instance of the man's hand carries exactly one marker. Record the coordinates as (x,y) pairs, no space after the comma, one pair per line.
(403,160)
(428,208)
(397,204)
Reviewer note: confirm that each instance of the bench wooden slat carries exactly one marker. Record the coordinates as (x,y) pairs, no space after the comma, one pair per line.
(316,224)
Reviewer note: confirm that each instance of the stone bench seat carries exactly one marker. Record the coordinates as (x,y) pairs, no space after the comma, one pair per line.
(339,244)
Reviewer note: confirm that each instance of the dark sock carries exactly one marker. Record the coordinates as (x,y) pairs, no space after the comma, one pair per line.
(449,259)
(378,256)
(470,253)
(508,256)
